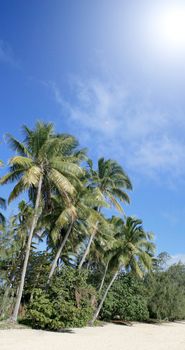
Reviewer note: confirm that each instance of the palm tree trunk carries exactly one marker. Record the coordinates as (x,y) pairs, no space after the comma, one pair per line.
(104,275)
(89,244)
(88,247)
(103,298)
(58,254)
(28,247)
(86,251)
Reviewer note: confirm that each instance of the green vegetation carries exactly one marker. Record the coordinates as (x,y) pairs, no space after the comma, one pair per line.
(63,262)
(166,293)
(67,302)
(160,296)
(127,300)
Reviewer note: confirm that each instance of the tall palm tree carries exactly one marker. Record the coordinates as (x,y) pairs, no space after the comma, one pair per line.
(132,251)
(44,160)
(81,211)
(102,243)
(14,236)
(112,181)
(2,205)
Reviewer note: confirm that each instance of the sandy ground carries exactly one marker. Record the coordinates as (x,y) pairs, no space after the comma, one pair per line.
(110,337)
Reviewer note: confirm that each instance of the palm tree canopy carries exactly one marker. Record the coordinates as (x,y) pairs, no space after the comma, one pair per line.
(112,180)
(2,205)
(55,156)
(133,247)
(80,212)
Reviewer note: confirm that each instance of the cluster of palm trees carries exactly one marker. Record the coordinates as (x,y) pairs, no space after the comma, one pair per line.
(66,201)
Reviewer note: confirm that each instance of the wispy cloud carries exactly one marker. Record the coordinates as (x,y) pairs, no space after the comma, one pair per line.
(159,155)
(97,107)
(7,54)
(136,132)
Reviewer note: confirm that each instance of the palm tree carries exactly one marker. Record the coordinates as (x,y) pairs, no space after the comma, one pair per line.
(2,205)
(112,182)
(44,160)
(132,251)
(81,211)
(102,243)
(14,236)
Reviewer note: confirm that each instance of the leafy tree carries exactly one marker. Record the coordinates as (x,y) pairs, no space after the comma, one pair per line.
(67,302)
(127,300)
(166,289)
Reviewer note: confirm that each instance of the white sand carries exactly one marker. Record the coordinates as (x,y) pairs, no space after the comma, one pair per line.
(110,337)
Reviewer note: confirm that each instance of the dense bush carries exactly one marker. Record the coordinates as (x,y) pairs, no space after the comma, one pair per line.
(127,299)
(160,296)
(68,301)
(166,291)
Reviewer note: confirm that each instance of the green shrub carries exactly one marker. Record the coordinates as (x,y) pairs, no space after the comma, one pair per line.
(126,299)
(67,302)
(166,291)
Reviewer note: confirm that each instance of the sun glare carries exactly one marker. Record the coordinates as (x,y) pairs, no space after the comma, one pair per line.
(166,31)
(171,26)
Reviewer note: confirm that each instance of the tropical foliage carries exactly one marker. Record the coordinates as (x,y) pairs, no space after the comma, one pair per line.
(127,300)
(63,262)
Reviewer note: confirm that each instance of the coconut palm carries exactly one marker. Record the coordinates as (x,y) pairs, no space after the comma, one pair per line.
(2,205)
(44,160)
(102,243)
(64,220)
(13,241)
(112,182)
(133,252)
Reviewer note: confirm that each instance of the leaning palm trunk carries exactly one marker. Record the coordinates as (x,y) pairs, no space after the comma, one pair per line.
(104,297)
(33,226)
(86,252)
(88,247)
(104,275)
(57,256)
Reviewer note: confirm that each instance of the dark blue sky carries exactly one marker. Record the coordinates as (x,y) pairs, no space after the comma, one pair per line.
(103,71)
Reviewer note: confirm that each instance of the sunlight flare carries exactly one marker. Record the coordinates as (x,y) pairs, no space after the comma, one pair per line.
(167,30)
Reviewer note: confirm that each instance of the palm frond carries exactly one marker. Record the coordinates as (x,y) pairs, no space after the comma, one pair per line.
(61,182)
(21,161)
(2,203)
(17,146)
(67,168)
(31,176)
(11,176)
(17,190)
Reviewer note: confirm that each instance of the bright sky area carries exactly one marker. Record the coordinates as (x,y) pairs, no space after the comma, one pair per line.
(113,74)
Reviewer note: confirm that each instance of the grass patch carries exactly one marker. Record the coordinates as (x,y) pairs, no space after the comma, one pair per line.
(11,325)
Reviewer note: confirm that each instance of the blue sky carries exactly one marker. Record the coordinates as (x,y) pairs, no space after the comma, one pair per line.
(102,71)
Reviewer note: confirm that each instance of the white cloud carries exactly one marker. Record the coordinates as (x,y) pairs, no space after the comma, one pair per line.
(97,106)
(143,137)
(161,154)
(175,259)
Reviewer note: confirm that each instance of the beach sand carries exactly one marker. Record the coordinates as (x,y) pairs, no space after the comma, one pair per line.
(169,336)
